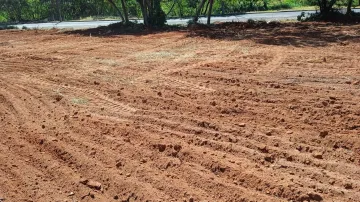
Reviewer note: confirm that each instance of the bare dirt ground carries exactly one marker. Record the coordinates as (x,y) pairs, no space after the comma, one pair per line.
(225,114)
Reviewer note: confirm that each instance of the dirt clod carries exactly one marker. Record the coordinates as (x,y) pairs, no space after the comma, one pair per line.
(318,155)
(348,186)
(324,134)
(310,197)
(177,147)
(268,133)
(91,183)
(161,147)
(94,184)
(58,98)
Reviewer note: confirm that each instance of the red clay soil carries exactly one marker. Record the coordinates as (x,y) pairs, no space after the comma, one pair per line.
(181,116)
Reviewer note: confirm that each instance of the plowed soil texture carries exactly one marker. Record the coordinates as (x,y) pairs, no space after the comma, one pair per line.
(226,113)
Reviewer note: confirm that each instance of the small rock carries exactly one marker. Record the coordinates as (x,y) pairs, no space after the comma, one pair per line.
(213,103)
(191,199)
(93,184)
(241,124)
(269,159)
(128,174)
(116,197)
(43,126)
(71,194)
(317,155)
(96,83)
(159,94)
(324,134)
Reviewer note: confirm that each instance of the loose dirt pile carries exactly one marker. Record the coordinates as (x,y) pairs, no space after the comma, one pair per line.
(181,115)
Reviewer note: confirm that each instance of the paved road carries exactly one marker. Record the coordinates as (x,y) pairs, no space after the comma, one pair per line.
(271,16)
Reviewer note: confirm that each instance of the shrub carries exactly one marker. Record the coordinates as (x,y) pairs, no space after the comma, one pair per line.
(8,27)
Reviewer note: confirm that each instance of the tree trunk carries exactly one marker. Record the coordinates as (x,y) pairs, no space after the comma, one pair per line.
(126,15)
(348,11)
(52,10)
(196,17)
(58,10)
(325,6)
(222,7)
(117,9)
(210,10)
(143,11)
(180,9)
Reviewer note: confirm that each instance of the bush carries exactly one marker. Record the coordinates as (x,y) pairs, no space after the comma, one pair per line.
(8,27)
(251,21)
(281,6)
(301,17)
(332,16)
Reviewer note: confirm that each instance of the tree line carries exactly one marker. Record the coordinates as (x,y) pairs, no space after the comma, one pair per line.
(153,12)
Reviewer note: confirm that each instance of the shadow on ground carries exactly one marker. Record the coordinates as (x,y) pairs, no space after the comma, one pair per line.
(121,29)
(282,34)
(274,33)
